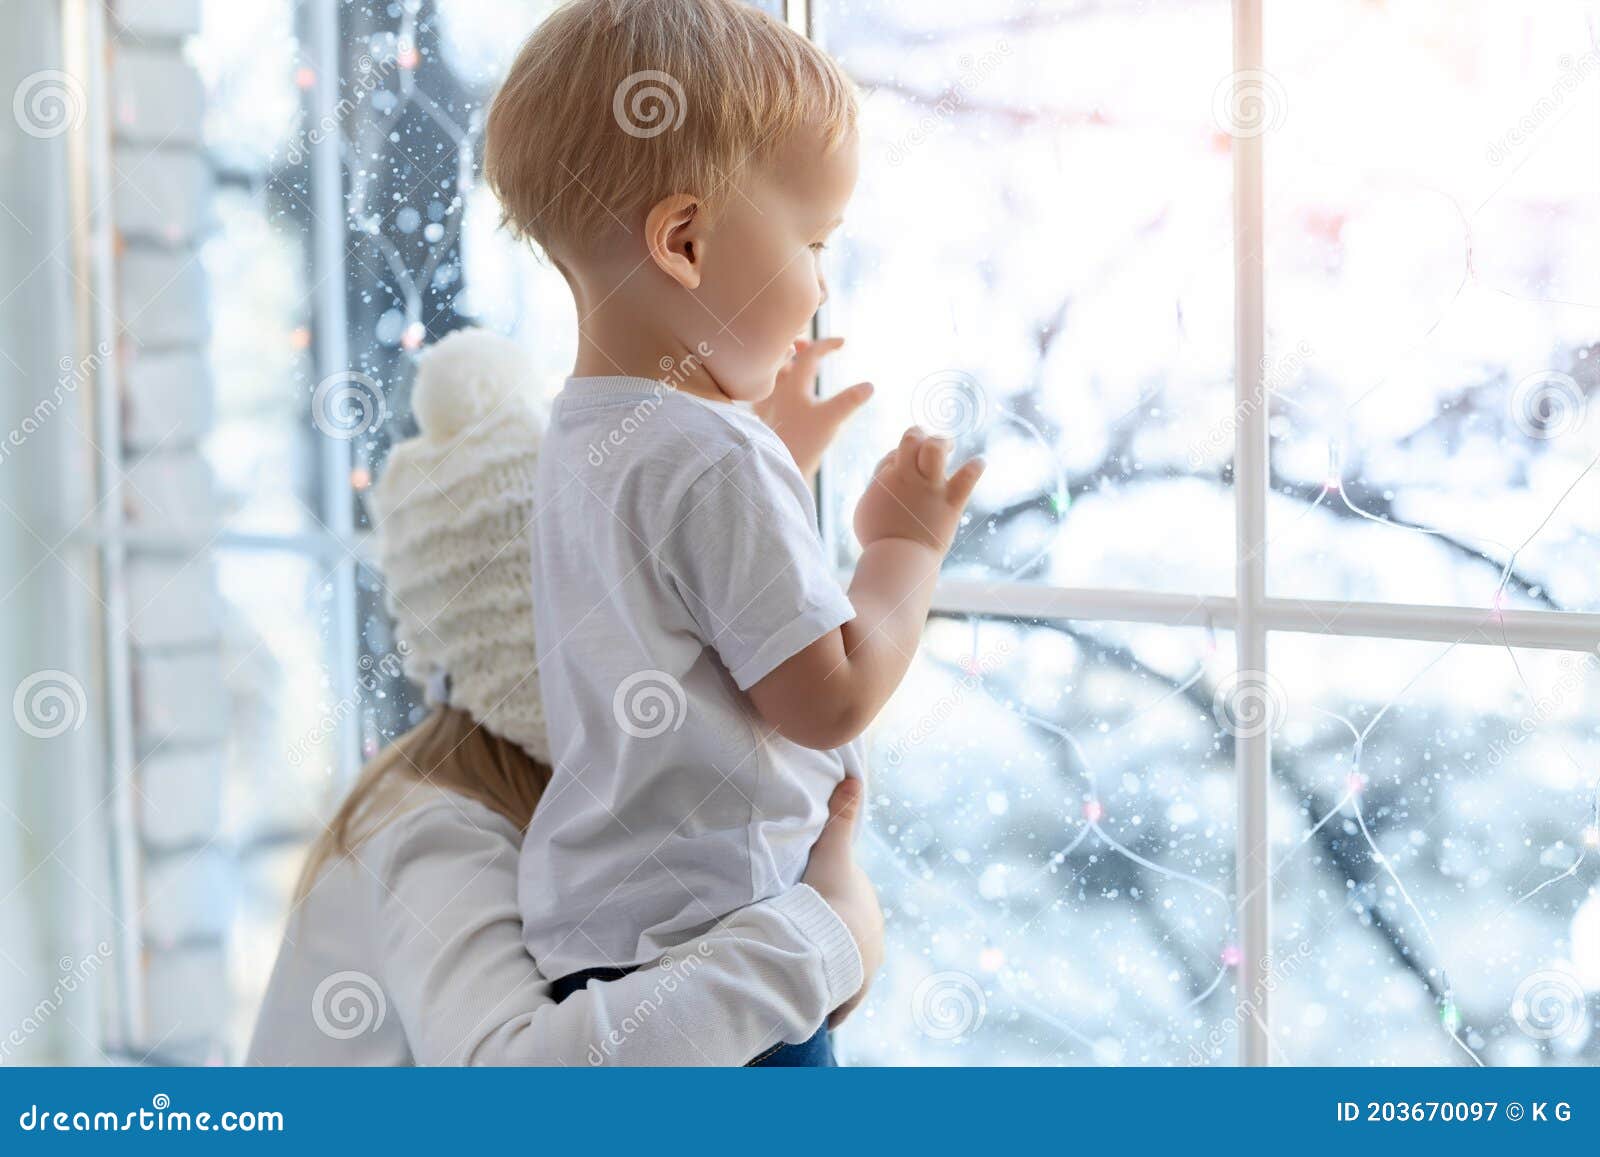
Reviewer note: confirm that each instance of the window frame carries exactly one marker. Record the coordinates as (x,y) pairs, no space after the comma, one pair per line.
(1250,613)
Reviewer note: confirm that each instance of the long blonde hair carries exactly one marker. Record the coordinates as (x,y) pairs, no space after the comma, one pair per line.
(447,749)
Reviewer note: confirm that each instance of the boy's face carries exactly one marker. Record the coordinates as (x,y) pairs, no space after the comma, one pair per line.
(762,269)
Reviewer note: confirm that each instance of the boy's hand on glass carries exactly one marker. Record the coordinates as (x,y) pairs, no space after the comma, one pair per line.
(836,876)
(806,423)
(909,496)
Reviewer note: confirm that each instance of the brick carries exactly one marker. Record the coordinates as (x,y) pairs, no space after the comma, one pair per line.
(156,19)
(188,896)
(167,399)
(180,797)
(179,697)
(170,492)
(173,601)
(187,1002)
(157,98)
(163,298)
(162,194)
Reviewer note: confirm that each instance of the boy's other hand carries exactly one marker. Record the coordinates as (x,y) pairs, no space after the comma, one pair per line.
(806,423)
(909,496)
(836,876)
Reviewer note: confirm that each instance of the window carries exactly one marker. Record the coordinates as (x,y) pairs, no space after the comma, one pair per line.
(1256,721)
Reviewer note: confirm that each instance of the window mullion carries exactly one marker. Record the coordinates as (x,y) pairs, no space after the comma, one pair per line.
(1252,752)
(333,357)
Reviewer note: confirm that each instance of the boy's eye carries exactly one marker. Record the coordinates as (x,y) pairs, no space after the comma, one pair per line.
(818,246)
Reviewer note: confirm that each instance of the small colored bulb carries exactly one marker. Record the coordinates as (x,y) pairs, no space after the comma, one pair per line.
(1450,1016)
(1092,811)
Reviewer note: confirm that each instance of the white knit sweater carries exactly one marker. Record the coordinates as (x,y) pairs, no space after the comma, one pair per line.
(410,952)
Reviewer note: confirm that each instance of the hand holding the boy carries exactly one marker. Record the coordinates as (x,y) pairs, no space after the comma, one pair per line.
(836,876)
(909,496)
(806,423)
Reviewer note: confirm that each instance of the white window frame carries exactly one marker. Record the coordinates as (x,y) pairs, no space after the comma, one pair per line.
(1250,612)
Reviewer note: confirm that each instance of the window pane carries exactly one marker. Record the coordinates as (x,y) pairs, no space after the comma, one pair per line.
(261,447)
(1433,275)
(1434,854)
(1038,259)
(1052,838)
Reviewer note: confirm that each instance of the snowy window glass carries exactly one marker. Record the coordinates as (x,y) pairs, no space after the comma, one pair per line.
(1055,254)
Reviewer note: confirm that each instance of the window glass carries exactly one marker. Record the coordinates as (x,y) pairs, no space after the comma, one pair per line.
(1051,833)
(1434,853)
(1433,268)
(1038,261)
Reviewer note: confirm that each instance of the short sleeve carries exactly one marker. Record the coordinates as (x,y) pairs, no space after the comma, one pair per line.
(746,559)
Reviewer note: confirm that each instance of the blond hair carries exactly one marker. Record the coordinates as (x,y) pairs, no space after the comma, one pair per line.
(447,749)
(612,105)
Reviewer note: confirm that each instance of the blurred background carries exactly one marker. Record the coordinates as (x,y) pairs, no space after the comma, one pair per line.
(228,229)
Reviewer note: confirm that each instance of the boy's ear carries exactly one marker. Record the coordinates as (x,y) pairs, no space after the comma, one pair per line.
(674,234)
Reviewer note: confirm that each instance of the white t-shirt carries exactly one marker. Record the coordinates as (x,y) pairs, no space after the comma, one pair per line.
(676,562)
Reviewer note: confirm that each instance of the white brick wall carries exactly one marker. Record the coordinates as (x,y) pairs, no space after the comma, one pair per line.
(163,189)
(156,19)
(165,195)
(156,97)
(167,403)
(180,797)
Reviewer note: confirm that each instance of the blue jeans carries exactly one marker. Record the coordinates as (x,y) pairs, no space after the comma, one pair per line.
(816,1053)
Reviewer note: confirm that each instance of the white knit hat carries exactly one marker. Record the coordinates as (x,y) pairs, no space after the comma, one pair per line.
(452,514)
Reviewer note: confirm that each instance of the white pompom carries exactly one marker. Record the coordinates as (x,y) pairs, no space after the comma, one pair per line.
(468,376)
